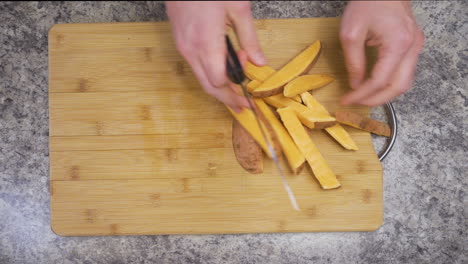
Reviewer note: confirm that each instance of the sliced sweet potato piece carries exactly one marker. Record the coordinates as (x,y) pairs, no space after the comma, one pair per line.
(297,98)
(307,116)
(257,73)
(274,103)
(248,153)
(339,134)
(363,122)
(293,154)
(320,167)
(335,130)
(252,85)
(312,103)
(275,83)
(247,119)
(315,106)
(305,83)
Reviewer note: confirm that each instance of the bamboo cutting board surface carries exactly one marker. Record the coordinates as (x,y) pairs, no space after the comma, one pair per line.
(136,146)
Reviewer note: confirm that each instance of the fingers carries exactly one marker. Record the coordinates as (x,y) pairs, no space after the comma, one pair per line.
(235,88)
(353,43)
(199,32)
(225,94)
(212,56)
(391,54)
(242,55)
(241,16)
(210,68)
(403,78)
(230,98)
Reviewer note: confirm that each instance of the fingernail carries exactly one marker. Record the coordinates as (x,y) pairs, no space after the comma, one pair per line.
(260,58)
(237,109)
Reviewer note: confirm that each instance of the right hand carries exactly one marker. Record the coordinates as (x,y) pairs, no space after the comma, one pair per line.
(199,29)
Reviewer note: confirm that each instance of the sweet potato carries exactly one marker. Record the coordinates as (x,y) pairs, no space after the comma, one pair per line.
(248,153)
(312,103)
(305,83)
(252,85)
(297,98)
(307,116)
(315,106)
(274,84)
(320,167)
(335,130)
(293,154)
(247,119)
(256,73)
(363,122)
(340,135)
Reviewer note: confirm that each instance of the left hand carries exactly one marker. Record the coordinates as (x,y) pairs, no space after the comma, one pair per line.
(392,28)
(199,30)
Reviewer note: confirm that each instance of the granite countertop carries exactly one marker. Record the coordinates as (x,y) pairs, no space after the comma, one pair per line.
(425,176)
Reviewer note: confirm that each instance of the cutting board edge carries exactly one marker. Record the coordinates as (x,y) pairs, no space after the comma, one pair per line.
(372,228)
(57,26)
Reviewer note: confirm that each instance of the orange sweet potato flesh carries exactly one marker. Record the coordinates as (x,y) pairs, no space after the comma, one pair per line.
(297,98)
(363,122)
(341,136)
(252,85)
(247,119)
(315,106)
(306,115)
(335,130)
(322,171)
(248,153)
(294,157)
(275,82)
(305,83)
(257,73)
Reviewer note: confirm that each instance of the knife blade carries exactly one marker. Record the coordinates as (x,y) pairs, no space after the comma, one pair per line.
(236,75)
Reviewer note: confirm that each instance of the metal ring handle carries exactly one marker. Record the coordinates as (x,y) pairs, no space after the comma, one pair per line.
(394,126)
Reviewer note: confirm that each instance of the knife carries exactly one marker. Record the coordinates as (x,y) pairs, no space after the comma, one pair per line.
(236,75)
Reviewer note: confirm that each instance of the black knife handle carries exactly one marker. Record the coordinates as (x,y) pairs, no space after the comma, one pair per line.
(233,66)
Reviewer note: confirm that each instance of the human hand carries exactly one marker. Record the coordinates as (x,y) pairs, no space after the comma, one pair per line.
(199,30)
(391,27)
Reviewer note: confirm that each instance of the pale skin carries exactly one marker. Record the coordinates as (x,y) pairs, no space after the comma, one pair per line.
(199,29)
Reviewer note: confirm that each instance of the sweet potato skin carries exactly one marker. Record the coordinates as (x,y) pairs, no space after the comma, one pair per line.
(267,93)
(323,125)
(248,153)
(363,122)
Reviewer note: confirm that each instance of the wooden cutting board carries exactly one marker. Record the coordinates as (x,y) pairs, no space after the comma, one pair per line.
(136,146)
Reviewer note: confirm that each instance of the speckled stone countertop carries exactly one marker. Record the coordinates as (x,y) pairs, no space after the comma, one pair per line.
(425,177)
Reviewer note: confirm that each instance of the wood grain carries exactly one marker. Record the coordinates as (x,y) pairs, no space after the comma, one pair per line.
(137,147)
